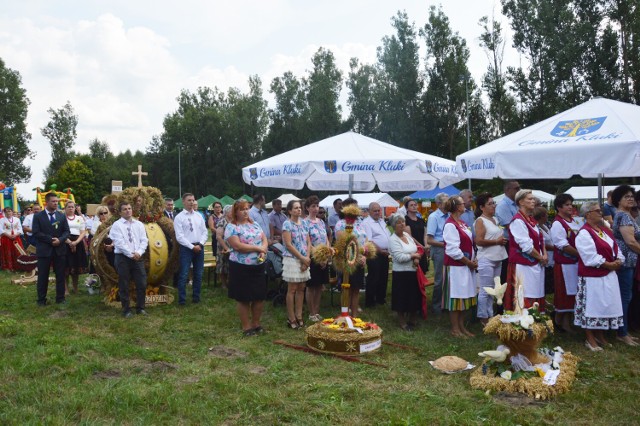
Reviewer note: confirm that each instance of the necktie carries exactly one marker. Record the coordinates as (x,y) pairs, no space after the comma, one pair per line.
(171,215)
(52,218)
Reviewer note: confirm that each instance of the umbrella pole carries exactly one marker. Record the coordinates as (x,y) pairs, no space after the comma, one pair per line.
(600,191)
(350,185)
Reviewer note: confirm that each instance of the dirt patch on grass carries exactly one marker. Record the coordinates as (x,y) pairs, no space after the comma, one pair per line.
(258,369)
(5,312)
(516,400)
(59,314)
(107,374)
(190,380)
(226,352)
(162,366)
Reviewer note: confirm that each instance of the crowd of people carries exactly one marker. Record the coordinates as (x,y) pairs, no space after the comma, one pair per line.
(588,261)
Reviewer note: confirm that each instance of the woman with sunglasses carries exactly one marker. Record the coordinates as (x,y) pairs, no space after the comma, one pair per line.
(491,243)
(102,216)
(598,303)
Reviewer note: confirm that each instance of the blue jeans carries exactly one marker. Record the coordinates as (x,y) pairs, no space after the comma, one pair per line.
(187,258)
(437,255)
(625,280)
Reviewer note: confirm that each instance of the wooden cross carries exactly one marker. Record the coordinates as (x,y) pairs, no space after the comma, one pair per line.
(140,173)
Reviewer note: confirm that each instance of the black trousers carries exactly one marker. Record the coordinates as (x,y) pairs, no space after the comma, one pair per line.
(44,264)
(377,278)
(127,269)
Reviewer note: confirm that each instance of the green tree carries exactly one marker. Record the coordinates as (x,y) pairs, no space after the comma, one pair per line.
(61,132)
(323,88)
(502,110)
(77,176)
(362,84)
(445,100)
(288,128)
(14,138)
(400,86)
(624,14)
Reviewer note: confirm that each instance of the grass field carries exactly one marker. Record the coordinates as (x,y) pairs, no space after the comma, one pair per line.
(83,363)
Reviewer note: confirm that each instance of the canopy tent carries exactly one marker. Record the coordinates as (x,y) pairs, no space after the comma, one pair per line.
(285,198)
(248,198)
(545,197)
(598,137)
(431,194)
(205,202)
(226,200)
(586,193)
(178,204)
(384,199)
(351,162)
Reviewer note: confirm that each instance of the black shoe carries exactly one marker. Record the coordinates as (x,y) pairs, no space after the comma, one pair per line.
(127,314)
(196,301)
(250,332)
(259,330)
(42,303)
(61,302)
(141,312)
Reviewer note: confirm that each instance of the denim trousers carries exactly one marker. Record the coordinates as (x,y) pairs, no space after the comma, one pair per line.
(625,280)
(187,258)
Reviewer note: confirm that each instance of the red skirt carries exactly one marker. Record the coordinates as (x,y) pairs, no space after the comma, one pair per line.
(562,301)
(10,253)
(510,292)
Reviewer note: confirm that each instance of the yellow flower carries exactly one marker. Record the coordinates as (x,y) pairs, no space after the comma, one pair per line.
(540,372)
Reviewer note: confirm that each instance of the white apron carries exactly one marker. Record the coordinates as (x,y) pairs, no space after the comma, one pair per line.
(570,274)
(462,282)
(533,279)
(603,297)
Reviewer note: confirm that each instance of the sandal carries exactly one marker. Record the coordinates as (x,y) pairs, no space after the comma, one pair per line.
(248,333)
(259,330)
(300,322)
(292,325)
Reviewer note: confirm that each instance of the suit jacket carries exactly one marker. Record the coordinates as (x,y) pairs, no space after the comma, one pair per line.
(166,214)
(44,232)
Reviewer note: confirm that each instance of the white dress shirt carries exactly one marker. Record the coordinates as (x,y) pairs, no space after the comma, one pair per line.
(190,229)
(377,232)
(28,222)
(129,237)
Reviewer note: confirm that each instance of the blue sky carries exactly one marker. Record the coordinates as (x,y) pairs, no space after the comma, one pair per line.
(123,63)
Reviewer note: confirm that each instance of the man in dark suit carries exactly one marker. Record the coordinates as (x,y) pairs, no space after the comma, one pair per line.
(51,230)
(168,208)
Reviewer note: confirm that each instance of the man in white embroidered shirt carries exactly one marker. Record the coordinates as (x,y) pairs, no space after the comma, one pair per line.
(130,242)
(191,234)
(378,267)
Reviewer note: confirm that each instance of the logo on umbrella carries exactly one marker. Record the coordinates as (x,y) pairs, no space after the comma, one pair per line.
(331,166)
(428,165)
(253,173)
(464,165)
(572,128)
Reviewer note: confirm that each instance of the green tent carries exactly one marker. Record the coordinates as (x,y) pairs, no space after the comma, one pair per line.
(205,202)
(178,204)
(246,197)
(226,200)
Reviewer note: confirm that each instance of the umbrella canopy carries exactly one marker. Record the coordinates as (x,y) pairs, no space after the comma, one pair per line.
(545,197)
(431,194)
(327,165)
(585,193)
(384,199)
(600,136)
(285,198)
(226,200)
(205,202)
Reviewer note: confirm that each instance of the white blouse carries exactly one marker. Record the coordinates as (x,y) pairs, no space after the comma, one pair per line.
(76,225)
(587,249)
(401,252)
(7,225)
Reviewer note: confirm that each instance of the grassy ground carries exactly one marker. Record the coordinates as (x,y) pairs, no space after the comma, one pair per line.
(83,363)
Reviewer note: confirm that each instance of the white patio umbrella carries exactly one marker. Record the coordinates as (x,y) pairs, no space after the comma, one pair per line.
(351,162)
(600,136)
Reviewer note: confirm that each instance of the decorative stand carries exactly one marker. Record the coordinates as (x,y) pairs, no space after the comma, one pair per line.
(344,334)
(520,365)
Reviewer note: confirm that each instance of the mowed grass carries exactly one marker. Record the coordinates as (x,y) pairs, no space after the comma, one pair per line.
(82,363)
